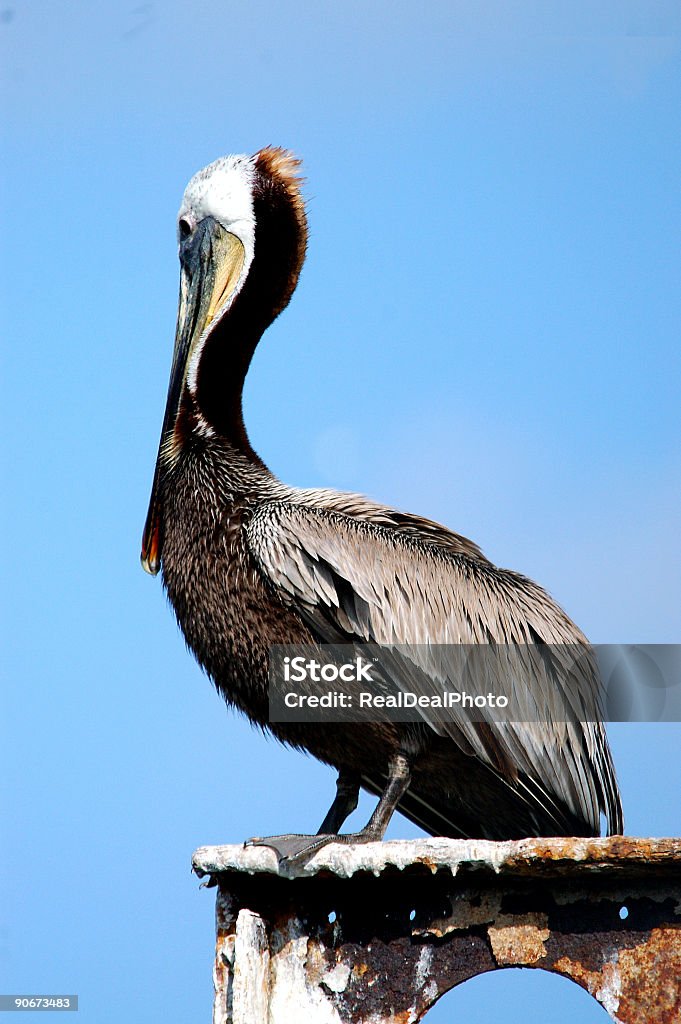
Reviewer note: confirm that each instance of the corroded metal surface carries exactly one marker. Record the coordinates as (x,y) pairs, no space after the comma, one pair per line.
(377,933)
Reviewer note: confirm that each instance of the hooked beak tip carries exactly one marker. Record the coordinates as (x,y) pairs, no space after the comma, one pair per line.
(150,556)
(150,564)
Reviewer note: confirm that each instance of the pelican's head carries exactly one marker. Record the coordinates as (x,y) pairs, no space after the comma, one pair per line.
(242,235)
(216,237)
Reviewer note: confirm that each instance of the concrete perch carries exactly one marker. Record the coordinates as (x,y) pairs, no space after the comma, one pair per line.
(378,933)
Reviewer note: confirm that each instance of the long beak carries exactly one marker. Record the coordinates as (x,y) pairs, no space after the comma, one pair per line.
(212,260)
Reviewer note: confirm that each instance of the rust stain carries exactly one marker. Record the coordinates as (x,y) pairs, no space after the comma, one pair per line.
(315,962)
(605,985)
(428,862)
(657,966)
(616,853)
(518,941)
(625,986)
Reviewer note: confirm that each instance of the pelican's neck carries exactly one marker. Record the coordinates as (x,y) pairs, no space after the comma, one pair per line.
(224,364)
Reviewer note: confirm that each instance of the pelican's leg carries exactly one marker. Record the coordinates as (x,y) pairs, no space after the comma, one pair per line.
(399,777)
(296,847)
(345,802)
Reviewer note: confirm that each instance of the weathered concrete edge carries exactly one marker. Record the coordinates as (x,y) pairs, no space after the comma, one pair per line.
(620,855)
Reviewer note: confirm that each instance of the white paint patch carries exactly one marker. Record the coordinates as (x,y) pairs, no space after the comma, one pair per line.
(425,962)
(251,971)
(295,996)
(610,990)
(430,993)
(338,978)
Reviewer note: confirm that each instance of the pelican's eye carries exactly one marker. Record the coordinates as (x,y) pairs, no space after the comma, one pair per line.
(184,228)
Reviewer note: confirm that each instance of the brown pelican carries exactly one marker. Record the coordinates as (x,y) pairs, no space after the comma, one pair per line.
(249,562)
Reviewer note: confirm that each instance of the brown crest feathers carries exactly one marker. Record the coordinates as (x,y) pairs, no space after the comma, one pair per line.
(282,167)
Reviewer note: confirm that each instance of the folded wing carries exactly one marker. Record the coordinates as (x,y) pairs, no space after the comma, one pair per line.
(357,581)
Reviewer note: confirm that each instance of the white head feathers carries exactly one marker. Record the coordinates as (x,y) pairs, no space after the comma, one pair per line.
(224,190)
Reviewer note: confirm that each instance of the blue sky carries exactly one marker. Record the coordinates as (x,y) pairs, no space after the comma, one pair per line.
(486,332)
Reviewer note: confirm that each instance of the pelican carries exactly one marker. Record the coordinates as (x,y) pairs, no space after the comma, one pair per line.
(249,562)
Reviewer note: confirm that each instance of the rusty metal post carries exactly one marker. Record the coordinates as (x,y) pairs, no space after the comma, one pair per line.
(378,932)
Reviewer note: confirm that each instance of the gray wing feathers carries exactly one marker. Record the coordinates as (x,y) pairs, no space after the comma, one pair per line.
(356,580)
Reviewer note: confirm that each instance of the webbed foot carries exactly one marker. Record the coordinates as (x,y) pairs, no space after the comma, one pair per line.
(289,848)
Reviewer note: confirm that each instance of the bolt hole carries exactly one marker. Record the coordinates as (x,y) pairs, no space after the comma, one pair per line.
(624,913)
(332,917)
(412,915)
